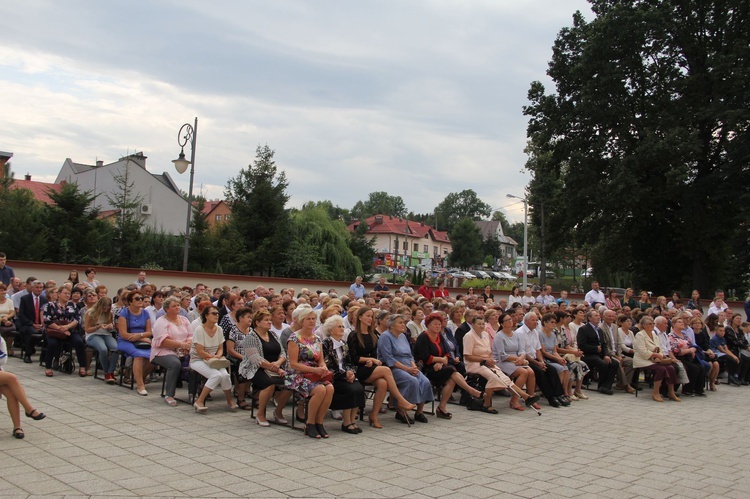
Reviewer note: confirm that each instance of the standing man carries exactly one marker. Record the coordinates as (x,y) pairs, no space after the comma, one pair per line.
(381,285)
(595,296)
(591,342)
(357,288)
(425,290)
(141,279)
(31,319)
(6,273)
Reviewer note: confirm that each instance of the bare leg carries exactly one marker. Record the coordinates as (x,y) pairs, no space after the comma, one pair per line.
(201,400)
(241,391)
(281,399)
(564,376)
(655,394)
(9,382)
(14,408)
(263,399)
(446,392)
(325,404)
(381,388)
(461,382)
(386,374)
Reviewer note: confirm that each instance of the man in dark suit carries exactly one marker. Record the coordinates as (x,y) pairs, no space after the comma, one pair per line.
(463,329)
(596,352)
(30,310)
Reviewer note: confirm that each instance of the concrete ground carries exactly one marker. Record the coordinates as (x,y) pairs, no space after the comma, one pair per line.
(100,440)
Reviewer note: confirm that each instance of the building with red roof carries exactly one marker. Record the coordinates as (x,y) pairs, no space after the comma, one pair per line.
(400,242)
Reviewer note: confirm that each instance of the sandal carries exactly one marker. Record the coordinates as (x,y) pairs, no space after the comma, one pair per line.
(48,373)
(321,430)
(82,373)
(311,431)
(443,414)
(489,410)
(18,433)
(244,405)
(170,401)
(38,417)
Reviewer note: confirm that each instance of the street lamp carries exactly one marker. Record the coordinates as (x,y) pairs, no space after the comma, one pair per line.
(525,237)
(187,134)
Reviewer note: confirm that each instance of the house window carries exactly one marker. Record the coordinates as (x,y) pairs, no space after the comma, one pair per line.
(218,218)
(406,246)
(434,250)
(226,217)
(416,246)
(426,248)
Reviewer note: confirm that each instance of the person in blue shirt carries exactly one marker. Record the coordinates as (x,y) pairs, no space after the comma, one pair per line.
(6,273)
(358,288)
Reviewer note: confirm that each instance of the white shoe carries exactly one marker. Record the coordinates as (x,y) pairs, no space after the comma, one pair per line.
(337,415)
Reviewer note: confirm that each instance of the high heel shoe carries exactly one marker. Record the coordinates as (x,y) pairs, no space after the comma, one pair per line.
(657,398)
(403,417)
(199,409)
(38,417)
(517,406)
(311,431)
(673,396)
(532,400)
(321,430)
(375,424)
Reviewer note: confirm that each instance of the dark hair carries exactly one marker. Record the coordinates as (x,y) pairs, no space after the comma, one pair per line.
(206,311)
(711,321)
(133,294)
(88,271)
(549,317)
(370,331)
(243,312)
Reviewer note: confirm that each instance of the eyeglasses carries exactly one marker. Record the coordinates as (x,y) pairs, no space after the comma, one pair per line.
(137,298)
(213,313)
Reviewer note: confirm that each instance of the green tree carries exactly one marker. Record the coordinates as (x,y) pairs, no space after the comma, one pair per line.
(22,232)
(312,227)
(499,216)
(459,205)
(72,224)
(379,203)
(640,152)
(127,229)
(199,258)
(362,247)
(257,197)
(466,240)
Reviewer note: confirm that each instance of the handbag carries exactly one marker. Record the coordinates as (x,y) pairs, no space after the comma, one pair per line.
(142,345)
(317,378)
(59,335)
(218,363)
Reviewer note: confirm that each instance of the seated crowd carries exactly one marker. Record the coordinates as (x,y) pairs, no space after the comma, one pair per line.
(415,347)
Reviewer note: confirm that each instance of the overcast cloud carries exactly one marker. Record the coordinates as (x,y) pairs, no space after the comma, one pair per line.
(417,98)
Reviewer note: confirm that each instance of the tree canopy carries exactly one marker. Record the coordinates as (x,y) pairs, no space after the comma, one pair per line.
(466,240)
(641,155)
(380,203)
(459,205)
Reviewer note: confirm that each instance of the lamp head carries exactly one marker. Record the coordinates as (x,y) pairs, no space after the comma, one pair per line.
(181,164)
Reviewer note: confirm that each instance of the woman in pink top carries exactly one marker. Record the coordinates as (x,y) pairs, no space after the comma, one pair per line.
(172,340)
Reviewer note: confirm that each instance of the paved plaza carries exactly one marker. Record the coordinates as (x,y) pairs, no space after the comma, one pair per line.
(100,440)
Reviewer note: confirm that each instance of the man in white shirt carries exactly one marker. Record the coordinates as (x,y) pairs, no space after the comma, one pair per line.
(358,288)
(718,305)
(595,296)
(546,378)
(406,288)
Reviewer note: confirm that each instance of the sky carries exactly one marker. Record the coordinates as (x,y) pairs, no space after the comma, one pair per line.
(418,98)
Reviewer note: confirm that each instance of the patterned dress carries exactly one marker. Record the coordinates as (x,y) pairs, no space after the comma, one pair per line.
(310,353)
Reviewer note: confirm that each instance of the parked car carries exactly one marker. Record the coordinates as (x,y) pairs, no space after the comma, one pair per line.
(550,274)
(505,276)
(383,269)
(480,274)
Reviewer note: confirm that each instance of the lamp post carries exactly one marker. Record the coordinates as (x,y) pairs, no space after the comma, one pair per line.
(525,237)
(187,134)
(395,263)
